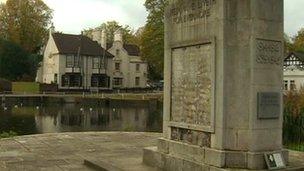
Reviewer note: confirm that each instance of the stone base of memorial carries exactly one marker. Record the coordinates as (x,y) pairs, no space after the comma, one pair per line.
(172,155)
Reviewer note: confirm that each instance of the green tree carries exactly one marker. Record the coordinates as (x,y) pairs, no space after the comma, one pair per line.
(15,63)
(110,27)
(152,38)
(298,41)
(25,22)
(288,45)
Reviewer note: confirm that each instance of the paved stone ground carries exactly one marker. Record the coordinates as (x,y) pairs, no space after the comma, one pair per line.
(67,151)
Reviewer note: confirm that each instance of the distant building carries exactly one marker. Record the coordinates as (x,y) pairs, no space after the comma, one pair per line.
(294,71)
(129,70)
(75,62)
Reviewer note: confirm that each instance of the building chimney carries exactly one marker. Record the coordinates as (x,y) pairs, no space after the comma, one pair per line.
(117,36)
(96,35)
(104,39)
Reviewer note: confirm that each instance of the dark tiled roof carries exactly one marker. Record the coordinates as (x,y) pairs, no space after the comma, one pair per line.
(299,55)
(69,44)
(133,50)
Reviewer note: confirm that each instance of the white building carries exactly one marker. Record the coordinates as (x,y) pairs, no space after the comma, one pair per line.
(294,71)
(129,70)
(75,62)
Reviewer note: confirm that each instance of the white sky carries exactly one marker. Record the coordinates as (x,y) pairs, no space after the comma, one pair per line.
(72,16)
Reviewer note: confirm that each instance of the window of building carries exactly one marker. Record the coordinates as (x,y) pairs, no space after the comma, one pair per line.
(292,85)
(117,82)
(136,115)
(75,80)
(117,52)
(72,80)
(117,66)
(72,61)
(76,61)
(65,81)
(99,80)
(102,63)
(285,84)
(137,81)
(55,78)
(94,81)
(69,61)
(137,67)
(95,63)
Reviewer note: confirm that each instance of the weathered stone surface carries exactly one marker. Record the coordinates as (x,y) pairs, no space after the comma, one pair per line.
(236,160)
(214,158)
(172,162)
(219,56)
(163,145)
(192,137)
(153,158)
(192,85)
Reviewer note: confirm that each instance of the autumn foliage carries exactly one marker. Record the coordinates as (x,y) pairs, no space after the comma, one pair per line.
(293,127)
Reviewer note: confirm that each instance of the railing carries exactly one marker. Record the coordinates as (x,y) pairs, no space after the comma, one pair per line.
(293,126)
(293,132)
(100,95)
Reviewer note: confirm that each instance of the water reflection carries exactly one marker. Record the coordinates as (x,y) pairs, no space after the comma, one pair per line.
(114,116)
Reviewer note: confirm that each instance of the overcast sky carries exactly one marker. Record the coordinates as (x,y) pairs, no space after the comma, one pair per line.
(72,16)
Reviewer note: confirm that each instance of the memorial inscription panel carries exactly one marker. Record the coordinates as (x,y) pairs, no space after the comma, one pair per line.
(190,10)
(269,105)
(192,85)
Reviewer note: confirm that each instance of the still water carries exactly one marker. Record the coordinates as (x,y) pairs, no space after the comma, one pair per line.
(37,118)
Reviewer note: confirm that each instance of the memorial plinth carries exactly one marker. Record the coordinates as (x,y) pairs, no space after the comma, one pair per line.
(223,77)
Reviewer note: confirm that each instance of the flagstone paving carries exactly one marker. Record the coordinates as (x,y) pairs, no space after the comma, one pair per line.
(68,151)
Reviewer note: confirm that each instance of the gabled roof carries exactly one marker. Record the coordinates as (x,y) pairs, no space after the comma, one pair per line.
(70,44)
(299,55)
(133,50)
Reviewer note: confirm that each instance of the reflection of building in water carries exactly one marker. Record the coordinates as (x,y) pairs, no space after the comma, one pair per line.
(46,120)
(73,117)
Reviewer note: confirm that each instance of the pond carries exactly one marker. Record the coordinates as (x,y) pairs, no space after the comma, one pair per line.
(38,118)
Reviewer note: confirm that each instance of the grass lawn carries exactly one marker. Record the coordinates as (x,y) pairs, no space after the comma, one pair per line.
(8,134)
(25,87)
(296,146)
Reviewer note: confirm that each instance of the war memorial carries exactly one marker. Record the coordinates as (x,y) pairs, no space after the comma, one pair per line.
(223,86)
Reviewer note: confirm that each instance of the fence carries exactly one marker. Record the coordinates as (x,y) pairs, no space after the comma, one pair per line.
(293,131)
(293,126)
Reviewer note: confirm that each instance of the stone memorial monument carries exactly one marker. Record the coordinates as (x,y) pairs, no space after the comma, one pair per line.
(223,78)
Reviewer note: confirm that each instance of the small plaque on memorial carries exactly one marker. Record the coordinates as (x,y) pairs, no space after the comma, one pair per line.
(275,161)
(269,105)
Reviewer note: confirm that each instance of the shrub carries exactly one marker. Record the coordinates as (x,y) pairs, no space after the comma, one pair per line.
(293,126)
(8,134)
